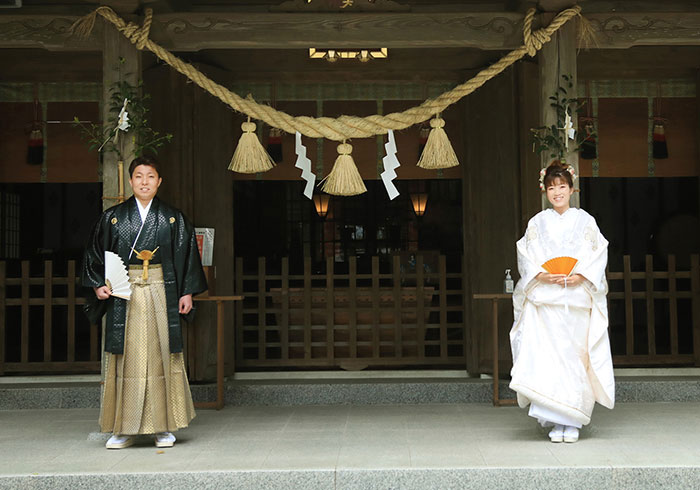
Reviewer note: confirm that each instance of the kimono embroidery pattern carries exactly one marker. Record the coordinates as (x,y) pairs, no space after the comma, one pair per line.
(531,233)
(570,242)
(592,236)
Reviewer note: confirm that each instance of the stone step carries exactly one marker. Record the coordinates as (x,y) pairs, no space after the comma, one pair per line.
(372,391)
(523,478)
(356,446)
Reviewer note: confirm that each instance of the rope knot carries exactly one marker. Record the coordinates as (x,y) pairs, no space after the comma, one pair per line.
(344,149)
(437,122)
(533,41)
(248,127)
(139,35)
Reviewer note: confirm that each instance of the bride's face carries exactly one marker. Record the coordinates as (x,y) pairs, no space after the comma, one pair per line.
(558,194)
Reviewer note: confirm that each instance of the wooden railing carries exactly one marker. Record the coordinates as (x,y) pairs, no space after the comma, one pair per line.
(495,343)
(630,355)
(650,352)
(348,320)
(387,317)
(30,294)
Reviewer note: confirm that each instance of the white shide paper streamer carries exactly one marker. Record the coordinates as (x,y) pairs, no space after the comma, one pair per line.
(305,165)
(391,163)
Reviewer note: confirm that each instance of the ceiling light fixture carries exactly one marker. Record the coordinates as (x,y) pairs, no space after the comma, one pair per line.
(363,55)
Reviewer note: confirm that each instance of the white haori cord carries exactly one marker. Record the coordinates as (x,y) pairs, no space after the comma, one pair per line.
(143,222)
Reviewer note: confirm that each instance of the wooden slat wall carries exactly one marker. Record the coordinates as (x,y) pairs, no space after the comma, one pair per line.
(48,301)
(695,291)
(3,293)
(24,301)
(350,320)
(70,338)
(323,341)
(673,304)
(649,295)
(628,295)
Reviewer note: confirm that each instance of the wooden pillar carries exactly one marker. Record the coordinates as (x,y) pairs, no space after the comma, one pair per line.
(197,181)
(528,104)
(697,128)
(121,61)
(213,143)
(557,58)
(491,219)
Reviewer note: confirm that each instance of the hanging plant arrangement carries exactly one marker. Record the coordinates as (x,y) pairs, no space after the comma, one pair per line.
(561,138)
(128,114)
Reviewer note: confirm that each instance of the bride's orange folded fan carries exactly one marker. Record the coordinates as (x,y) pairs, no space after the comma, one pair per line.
(560,265)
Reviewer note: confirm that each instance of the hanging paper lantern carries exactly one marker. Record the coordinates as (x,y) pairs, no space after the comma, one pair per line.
(274,145)
(423,139)
(658,144)
(35,148)
(589,150)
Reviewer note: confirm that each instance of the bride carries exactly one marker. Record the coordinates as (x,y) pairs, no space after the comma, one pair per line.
(561,351)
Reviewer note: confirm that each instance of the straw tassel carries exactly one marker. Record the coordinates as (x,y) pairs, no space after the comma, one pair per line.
(438,152)
(84,25)
(587,37)
(344,179)
(250,157)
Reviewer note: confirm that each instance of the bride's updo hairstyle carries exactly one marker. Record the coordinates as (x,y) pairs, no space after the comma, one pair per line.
(558,170)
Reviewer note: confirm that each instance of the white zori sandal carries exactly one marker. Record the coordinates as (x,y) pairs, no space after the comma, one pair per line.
(570,434)
(557,433)
(165,439)
(119,442)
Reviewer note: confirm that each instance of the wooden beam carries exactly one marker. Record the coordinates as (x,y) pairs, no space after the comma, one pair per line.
(392,30)
(556,5)
(193,31)
(123,6)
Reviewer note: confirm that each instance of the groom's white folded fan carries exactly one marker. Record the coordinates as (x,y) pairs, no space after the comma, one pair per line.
(117,276)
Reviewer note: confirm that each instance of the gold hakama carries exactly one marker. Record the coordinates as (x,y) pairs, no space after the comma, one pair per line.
(145,390)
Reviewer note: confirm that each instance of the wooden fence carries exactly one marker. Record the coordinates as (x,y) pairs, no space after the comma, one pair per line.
(664,341)
(646,339)
(353,320)
(46,295)
(387,317)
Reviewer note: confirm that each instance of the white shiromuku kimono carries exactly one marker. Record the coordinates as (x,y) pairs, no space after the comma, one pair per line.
(561,352)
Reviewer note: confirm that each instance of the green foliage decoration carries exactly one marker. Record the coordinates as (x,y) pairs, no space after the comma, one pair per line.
(552,138)
(108,139)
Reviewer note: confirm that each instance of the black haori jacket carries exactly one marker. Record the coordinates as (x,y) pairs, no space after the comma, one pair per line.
(182,268)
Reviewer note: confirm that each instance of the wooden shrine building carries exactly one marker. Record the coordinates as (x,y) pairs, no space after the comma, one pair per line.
(361,282)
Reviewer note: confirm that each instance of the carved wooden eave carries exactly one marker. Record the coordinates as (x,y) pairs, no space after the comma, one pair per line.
(43,31)
(620,31)
(481,30)
(391,30)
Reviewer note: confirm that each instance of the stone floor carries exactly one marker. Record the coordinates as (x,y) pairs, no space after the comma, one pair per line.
(636,445)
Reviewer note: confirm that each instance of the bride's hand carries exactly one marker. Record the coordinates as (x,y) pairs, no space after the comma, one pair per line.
(548,278)
(574,280)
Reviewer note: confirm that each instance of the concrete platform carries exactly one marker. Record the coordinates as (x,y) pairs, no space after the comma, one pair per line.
(411,446)
(84,392)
